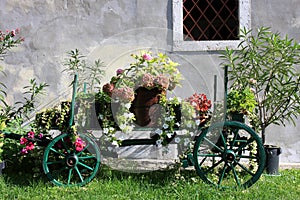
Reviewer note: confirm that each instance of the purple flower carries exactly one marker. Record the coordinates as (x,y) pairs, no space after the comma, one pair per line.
(120,71)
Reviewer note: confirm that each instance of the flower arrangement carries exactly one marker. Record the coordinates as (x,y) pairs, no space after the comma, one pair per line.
(154,73)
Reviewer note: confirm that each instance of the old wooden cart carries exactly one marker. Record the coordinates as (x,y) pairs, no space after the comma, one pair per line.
(225,154)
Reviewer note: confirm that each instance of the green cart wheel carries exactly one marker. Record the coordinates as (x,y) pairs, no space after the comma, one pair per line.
(229,154)
(66,166)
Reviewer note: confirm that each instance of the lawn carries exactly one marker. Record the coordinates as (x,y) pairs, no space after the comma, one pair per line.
(166,184)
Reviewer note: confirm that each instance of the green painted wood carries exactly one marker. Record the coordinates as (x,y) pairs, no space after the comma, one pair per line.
(223,158)
(64,166)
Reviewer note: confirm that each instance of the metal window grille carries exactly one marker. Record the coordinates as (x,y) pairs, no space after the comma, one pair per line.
(210,19)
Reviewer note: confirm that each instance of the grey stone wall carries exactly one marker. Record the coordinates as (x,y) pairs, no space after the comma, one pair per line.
(111,30)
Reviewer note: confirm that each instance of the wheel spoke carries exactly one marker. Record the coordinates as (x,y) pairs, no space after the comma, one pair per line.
(245,168)
(244,145)
(55,151)
(55,162)
(213,144)
(79,174)
(235,175)
(85,166)
(223,139)
(65,146)
(213,166)
(70,176)
(80,152)
(222,174)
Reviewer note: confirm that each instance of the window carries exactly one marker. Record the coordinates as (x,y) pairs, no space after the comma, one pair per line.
(208,24)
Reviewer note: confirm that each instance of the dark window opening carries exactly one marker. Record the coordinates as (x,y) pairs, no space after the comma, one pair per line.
(210,19)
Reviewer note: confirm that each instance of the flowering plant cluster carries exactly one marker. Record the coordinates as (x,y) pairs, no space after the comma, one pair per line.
(202,106)
(28,141)
(147,71)
(8,39)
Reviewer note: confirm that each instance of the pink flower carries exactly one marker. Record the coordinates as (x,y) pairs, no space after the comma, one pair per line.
(147,56)
(31,134)
(162,81)
(24,151)
(41,135)
(30,146)
(147,80)
(125,94)
(23,140)
(79,144)
(13,33)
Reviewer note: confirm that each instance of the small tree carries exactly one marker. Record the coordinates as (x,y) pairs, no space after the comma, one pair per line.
(267,63)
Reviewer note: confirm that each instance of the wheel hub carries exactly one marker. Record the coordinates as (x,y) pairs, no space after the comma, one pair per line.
(71,160)
(229,156)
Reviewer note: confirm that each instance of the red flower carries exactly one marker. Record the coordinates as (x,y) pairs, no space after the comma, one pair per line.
(30,146)
(200,102)
(23,140)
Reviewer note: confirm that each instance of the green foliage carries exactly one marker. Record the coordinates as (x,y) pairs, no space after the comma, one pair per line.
(90,75)
(56,117)
(241,101)
(269,64)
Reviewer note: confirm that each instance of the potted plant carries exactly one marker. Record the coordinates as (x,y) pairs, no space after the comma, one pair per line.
(240,102)
(267,63)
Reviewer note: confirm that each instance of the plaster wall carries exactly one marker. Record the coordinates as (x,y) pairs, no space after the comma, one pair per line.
(113,29)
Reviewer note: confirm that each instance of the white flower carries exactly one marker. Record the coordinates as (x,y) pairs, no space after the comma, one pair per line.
(105,130)
(177,140)
(158,143)
(165,126)
(177,124)
(109,148)
(169,135)
(186,141)
(184,131)
(158,131)
(197,122)
(191,134)
(122,126)
(115,143)
(127,105)
(252,81)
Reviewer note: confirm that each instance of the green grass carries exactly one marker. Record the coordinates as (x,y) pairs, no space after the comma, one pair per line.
(155,185)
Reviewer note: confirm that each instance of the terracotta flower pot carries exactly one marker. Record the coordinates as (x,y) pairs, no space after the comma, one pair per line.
(144,99)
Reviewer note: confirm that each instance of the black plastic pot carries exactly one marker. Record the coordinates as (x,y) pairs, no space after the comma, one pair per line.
(272,159)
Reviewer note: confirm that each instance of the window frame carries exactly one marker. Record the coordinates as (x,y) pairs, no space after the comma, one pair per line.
(179,44)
